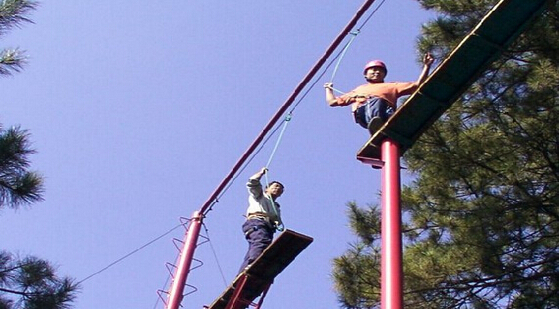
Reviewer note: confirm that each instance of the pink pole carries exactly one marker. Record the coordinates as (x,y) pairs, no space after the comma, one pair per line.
(391,229)
(185,260)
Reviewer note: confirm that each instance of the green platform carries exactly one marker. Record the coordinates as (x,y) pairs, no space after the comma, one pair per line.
(262,272)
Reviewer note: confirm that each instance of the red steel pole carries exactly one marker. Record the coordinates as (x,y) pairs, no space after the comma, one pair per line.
(391,229)
(185,260)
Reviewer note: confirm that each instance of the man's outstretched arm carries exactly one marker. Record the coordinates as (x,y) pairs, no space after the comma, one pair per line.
(427,62)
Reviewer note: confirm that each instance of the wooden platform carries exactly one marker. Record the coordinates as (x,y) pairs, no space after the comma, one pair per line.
(258,277)
(495,32)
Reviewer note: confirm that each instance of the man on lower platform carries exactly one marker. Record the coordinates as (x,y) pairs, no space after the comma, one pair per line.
(263,216)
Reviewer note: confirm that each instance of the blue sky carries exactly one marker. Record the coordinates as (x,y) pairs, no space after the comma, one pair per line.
(138,112)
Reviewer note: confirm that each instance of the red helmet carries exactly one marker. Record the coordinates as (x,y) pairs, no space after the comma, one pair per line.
(375,63)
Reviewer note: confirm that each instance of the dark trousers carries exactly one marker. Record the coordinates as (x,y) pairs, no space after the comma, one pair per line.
(375,107)
(259,235)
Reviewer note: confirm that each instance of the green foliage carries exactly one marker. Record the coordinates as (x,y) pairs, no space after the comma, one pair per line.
(356,273)
(31,283)
(12,14)
(482,215)
(18,185)
(25,283)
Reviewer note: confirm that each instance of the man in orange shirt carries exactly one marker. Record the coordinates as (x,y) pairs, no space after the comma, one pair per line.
(374,102)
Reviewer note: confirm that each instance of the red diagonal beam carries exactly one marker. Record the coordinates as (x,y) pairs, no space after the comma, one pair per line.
(205,208)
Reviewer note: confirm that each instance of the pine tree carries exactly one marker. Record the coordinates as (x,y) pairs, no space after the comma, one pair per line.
(31,283)
(483,211)
(18,185)
(27,282)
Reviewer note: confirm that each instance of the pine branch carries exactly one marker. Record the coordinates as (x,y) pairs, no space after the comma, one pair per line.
(13,13)
(12,61)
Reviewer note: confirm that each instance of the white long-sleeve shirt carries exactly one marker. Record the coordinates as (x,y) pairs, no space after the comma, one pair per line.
(261,205)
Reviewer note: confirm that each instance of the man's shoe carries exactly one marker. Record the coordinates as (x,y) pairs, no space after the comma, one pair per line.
(374,125)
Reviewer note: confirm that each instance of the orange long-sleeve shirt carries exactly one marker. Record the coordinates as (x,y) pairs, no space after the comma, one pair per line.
(388,91)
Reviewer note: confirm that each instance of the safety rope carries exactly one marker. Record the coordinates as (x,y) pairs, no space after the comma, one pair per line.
(246,164)
(280,226)
(129,254)
(346,47)
(215,255)
(285,123)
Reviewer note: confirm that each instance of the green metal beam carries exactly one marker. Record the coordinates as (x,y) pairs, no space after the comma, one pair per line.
(483,45)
